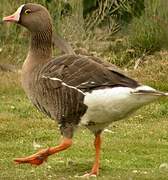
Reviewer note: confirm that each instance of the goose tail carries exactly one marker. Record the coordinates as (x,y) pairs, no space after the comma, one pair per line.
(146,90)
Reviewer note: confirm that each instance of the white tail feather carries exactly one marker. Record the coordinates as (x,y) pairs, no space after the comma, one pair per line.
(148,90)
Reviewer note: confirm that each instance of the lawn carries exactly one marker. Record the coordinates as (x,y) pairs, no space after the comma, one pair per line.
(132,149)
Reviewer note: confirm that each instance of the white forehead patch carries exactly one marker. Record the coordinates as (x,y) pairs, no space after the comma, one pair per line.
(17,13)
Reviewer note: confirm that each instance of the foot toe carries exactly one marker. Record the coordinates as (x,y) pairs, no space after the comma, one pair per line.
(35,159)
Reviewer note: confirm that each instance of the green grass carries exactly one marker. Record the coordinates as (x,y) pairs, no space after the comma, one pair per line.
(144,34)
(134,149)
(148,33)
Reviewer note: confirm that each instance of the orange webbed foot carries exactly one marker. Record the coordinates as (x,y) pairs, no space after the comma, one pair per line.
(41,156)
(35,159)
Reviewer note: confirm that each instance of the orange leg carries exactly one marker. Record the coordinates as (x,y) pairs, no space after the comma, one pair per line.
(97,144)
(95,168)
(42,155)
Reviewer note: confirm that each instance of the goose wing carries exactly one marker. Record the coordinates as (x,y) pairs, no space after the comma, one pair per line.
(86,73)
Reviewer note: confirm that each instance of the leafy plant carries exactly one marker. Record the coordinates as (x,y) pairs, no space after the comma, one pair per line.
(149,32)
(111,13)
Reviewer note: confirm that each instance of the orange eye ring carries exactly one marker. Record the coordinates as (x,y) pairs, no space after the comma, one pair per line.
(27,11)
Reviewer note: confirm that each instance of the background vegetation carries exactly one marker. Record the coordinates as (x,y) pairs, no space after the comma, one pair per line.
(121,30)
(129,33)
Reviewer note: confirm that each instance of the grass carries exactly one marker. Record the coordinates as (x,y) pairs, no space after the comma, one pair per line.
(144,34)
(134,149)
(148,33)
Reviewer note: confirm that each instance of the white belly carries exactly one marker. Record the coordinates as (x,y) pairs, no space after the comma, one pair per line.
(112,104)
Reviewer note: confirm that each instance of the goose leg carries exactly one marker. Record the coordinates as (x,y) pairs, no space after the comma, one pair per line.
(96,165)
(42,155)
(97,144)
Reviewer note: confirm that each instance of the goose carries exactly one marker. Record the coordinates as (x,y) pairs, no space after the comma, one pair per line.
(73,89)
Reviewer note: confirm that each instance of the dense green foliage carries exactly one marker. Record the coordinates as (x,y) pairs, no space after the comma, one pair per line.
(106,12)
(119,30)
(149,32)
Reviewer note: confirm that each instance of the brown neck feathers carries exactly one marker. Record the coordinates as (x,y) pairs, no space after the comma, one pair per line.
(41,44)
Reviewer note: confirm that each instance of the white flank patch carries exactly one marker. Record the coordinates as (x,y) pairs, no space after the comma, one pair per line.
(54,79)
(92,82)
(112,104)
(73,88)
(64,84)
(84,83)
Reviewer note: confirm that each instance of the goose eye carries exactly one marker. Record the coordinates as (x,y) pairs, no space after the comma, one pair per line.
(27,11)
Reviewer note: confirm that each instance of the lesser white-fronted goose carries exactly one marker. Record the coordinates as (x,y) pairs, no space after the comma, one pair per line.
(73,89)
